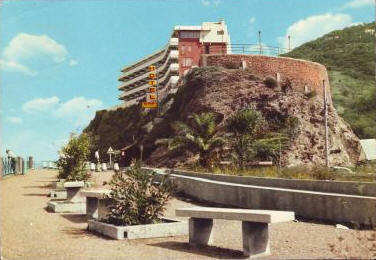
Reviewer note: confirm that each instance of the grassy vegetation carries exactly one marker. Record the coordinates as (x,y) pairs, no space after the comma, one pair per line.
(348,55)
(365,173)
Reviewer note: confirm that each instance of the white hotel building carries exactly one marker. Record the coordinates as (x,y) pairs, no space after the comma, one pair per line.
(184,50)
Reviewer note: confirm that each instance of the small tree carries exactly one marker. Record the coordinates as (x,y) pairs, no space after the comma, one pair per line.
(137,199)
(73,157)
(252,141)
(244,124)
(198,137)
(269,147)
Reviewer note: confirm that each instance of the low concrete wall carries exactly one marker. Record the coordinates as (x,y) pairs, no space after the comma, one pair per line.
(339,208)
(343,187)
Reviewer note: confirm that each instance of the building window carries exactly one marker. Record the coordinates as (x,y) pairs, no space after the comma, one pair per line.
(185,49)
(221,32)
(185,35)
(207,49)
(187,62)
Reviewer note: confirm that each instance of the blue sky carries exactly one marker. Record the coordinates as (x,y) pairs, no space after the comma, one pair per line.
(60,60)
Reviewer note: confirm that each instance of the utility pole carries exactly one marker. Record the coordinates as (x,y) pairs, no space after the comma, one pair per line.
(280,155)
(260,46)
(326,125)
(289,37)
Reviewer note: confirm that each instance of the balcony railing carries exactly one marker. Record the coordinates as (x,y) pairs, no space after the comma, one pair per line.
(173,55)
(141,90)
(149,60)
(246,49)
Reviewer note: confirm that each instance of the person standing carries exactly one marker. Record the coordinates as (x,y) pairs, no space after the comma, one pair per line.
(96,155)
(12,159)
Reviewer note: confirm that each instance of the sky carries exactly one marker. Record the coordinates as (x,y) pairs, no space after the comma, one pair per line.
(60,60)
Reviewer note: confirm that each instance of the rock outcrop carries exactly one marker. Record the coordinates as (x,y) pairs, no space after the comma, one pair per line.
(225,91)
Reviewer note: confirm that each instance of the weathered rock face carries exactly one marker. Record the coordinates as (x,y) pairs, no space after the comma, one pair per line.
(225,91)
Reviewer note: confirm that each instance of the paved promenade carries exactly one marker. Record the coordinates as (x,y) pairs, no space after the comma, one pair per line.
(28,231)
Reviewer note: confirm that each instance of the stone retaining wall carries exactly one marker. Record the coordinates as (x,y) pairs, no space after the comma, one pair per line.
(333,207)
(343,187)
(299,72)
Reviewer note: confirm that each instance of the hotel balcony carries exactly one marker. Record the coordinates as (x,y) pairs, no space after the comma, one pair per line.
(157,59)
(168,77)
(143,76)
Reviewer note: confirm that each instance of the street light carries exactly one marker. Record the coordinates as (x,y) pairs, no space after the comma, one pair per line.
(259,33)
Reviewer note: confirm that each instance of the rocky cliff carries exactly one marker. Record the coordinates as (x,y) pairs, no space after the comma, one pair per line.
(225,91)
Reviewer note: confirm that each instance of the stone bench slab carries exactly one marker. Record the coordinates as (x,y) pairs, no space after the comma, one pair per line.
(250,215)
(74,184)
(99,194)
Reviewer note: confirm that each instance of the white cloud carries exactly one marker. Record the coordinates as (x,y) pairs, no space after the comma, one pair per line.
(205,2)
(79,109)
(14,119)
(73,62)
(265,50)
(4,2)
(40,104)
(358,4)
(210,2)
(25,46)
(313,27)
(27,53)
(251,29)
(9,65)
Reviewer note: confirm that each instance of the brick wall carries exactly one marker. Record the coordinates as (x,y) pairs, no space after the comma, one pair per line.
(299,72)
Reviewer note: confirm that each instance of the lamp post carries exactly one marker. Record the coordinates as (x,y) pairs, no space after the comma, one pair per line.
(141,151)
(259,37)
(326,125)
(289,37)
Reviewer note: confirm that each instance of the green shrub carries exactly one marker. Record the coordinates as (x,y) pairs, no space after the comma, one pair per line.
(244,121)
(270,82)
(231,65)
(292,126)
(73,157)
(310,94)
(198,137)
(286,85)
(138,197)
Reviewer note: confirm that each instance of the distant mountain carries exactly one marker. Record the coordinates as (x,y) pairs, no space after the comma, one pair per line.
(349,56)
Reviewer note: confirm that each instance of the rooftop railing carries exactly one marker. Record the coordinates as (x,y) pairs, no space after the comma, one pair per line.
(246,49)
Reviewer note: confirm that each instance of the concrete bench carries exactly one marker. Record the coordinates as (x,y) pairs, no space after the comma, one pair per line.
(255,226)
(74,203)
(96,203)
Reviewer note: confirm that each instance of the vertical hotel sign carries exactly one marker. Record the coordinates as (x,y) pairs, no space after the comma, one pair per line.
(152,94)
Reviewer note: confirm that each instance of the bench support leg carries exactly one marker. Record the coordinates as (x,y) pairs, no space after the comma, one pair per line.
(200,231)
(92,207)
(255,239)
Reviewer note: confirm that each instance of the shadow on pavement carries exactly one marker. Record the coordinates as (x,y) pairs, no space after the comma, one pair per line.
(47,186)
(211,251)
(75,218)
(48,210)
(36,194)
(81,233)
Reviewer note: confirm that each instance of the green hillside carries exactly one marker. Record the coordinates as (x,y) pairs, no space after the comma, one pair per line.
(349,57)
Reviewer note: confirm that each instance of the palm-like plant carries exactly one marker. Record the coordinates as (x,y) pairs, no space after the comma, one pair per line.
(198,137)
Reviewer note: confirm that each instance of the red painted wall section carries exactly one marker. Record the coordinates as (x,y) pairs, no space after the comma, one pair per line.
(189,54)
(299,72)
(216,48)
